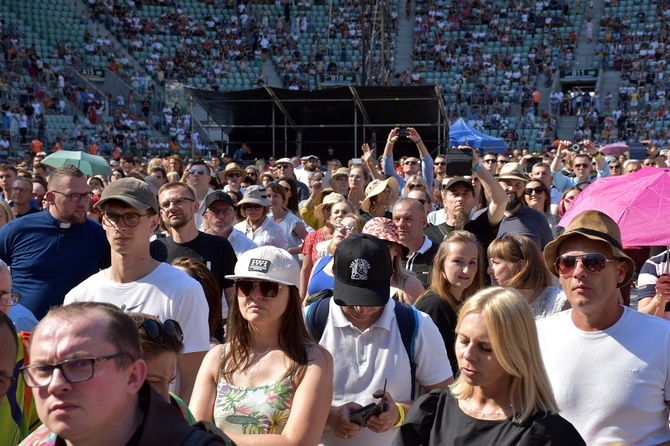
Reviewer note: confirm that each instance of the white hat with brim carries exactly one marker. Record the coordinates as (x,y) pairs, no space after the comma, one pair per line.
(330,200)
(377,188)
(267,263)
(255,195)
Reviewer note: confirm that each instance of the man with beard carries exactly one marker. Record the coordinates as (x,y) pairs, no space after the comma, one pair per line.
(177,207)
(220,217)
(581,165)
(52,251)
(519,218)
(458,197)
(310,164)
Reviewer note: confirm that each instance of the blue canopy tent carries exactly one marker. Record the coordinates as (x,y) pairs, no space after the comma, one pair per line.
(461,133)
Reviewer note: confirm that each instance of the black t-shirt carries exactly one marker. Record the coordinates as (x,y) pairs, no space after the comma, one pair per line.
(436,418)
(445,318)
(479,226)
(205,248)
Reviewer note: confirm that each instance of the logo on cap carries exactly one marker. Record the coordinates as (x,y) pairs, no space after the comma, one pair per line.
(259,265)
(359,269)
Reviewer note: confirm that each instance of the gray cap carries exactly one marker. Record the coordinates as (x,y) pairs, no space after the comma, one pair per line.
(131,191)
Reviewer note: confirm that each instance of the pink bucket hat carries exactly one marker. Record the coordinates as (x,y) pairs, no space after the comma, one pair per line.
(382,228)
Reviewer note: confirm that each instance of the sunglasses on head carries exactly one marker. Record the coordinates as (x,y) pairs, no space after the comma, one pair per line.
(156,330)
(269,290)
(529,190)
(592,262)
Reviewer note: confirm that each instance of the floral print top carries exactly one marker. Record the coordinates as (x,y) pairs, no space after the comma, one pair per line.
(254,410)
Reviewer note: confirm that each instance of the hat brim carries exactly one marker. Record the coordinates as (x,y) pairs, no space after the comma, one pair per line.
(346,295)
(222,175)
(390,182)
(550,253)
(251,200)
(259,276)
(127,200)
(514,177)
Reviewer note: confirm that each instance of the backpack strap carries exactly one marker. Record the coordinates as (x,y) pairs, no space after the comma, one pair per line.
(316,317)
(408,323)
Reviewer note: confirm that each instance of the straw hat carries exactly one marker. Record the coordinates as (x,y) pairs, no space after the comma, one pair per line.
(376,187)
(329,200)
(513,171)
(232,168)
(593,225)
(342,171)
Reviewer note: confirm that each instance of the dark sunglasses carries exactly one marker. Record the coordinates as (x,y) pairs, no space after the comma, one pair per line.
(615,166)
(503,161)
(582,165)
(440,163)
(252,206)
(413,163)
(490,160)
(234,175)
(594,262)
(198,171)
(269,290)
(415,186)
(529,190)
(156,330)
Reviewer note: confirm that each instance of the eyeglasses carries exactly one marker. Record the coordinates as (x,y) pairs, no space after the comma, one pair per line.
(490,160)
(234,175)
(9,298)
(347,228)
(251,174)
(74,370)
(645,165)
(283,166)
(529,190)
(22,190)
(269,290)
(415,186)
(410,163)
(76,197)
(130,219)
(503,161)
(615,166)
(440,163)
(593,262)
(254,207)
(221,212)
(196,171)
(179,202)
(581,165)
(156,330)
(6,383)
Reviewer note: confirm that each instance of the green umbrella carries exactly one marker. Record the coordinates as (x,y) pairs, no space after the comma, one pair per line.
(87,163)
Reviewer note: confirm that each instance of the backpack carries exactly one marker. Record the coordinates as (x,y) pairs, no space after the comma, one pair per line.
(406,315)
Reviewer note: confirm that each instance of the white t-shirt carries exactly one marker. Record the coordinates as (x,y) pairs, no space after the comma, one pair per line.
(362,360)
(269,233)
(166,292)
(612,385)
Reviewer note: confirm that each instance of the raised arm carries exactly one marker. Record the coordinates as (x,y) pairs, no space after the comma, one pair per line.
(601,164)
(492,189)
(426,159)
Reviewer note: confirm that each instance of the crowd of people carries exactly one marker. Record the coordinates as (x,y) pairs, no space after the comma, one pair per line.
(304,302)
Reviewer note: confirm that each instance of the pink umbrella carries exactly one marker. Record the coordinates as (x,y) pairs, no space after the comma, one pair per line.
(638,202)
(616,148)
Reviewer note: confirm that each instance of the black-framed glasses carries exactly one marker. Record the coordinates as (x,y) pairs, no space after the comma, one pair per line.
(21,190)
(529,190)
(131,219)
(196,171)
(283,166)
(269,290)
(9,298)
(234,175)
(6,383)
(221,212)
(440,163)
(74,370)
(416,186)
(156,330)
(76,197)
(582,165)
(615,166)
(593,262)
(181,201)
(411,163)
(490,160)
(503,161)
(252,173)
(347,228)
(253,206)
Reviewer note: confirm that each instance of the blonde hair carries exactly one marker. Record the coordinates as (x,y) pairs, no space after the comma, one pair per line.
(513,337)
(7,211)
(511,248)
(439,283)
(359,221)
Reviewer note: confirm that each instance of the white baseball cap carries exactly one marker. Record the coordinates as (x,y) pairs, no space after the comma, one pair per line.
(268,263)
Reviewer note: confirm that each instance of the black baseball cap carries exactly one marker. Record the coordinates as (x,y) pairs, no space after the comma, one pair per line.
(362,269)
(218,195)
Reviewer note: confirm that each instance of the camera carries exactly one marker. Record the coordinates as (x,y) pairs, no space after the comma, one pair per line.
(576,147)
(403,133)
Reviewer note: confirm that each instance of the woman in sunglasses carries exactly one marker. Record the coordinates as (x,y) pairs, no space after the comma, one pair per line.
(503,395)
(538,197)
(322,277)
(515,261)
(270,379)
(257,226)
(161,346)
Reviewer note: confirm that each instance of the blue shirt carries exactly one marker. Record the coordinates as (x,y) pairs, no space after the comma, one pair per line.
(49,258)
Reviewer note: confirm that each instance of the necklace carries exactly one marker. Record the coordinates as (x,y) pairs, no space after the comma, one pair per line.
(501,411)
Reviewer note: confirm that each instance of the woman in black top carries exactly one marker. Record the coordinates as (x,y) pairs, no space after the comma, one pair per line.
(502,396)
(458,272)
